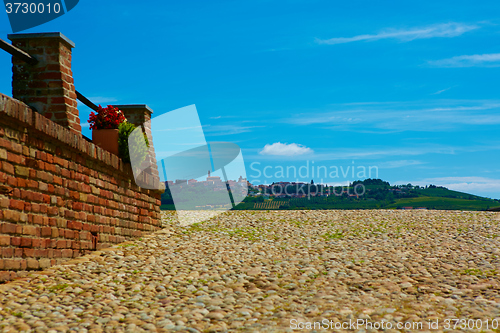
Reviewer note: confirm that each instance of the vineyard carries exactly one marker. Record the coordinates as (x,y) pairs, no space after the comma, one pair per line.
(274,204)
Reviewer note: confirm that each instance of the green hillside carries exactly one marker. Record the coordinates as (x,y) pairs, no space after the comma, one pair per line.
(443,203)
(381,195)
(377,194)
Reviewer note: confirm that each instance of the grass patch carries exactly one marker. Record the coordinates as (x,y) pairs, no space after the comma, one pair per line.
(478,272)
(126,245)
(58,287)
(339,234)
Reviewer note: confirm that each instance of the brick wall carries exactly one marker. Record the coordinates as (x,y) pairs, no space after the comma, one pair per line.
(48,86)
(60,195)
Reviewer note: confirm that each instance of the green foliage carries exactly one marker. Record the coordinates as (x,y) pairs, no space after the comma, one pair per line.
(139,149)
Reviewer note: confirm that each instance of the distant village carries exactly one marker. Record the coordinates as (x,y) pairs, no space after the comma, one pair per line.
(359,194)
(213,182)
(287,189)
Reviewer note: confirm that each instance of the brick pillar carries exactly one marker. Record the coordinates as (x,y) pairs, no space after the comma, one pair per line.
(47,86)
(140,115)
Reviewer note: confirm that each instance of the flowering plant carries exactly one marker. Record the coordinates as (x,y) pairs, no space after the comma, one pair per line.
(106,118)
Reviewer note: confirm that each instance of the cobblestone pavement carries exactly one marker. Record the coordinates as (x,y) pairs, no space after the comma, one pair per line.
(275,271)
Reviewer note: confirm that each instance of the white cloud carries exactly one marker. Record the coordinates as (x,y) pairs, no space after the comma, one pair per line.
(285,149)
(227,129)
(99,100)
(373,153)
(476,60)
(83,125)
(436,30)
(482,186)
(398,164)
(441,91)
(177,129)
(434,115)
(477,185)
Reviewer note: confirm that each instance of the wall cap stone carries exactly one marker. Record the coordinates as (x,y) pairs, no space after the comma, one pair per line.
(134,106)
(13,37)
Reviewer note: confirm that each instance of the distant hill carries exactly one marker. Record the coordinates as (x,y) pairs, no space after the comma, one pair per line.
(374,194)
(378,194)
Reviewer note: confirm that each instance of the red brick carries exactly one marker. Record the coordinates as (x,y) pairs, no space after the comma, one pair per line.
(5,240)
(69,214)
(25,242)
(67,253)
(69,233)
(7,252)
(49,243)
(29,230)
(77,206)
(29,252)
(32,183)
(41,253)
(50,76)
(8,228)
(12,181)
(5,143)
(12,264)
(53,211)
(46,231)
(38,197)
(16,204)
(4,275)
(62,223)
(16,193)
(38,219)
(26,195)
(17,148)
(21,182)
(57,180)
(16,159)
(8,168)
(32,264)
(11,215)
(43,209)
(36,242)
(15,241)
(75,225)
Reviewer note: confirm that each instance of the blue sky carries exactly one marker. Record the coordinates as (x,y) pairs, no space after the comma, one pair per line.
(411,88)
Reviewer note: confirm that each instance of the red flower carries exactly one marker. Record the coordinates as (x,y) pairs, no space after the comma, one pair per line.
(106,118)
